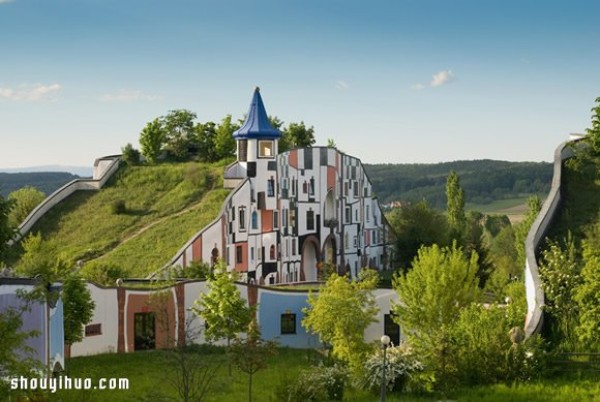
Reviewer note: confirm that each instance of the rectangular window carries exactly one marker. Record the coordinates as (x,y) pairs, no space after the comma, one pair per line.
(293,246)
(308,158)
(239,254)
(311,188)
(288,324)
(252,254)
(310,220)
(285,217)
(348,215)
(265,149)
(368,214)
(243,150)
(293,218)
(93,329)
(271,187)
(355,189)
(346,187)
(355,242)
(242,216)
(275,219)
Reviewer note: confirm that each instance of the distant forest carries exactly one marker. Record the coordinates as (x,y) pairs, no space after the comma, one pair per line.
(47,182)
(483,181)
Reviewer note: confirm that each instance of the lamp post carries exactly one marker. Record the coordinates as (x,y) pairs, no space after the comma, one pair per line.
(385,342)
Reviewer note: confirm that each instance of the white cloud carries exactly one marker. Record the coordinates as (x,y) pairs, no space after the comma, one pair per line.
(30,92)
(341,85)
(441,78)
(128,96)
(437,80)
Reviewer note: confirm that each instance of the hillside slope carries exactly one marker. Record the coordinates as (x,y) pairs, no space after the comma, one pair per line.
(138,221)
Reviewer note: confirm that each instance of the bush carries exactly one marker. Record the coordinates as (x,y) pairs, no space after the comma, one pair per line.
(119,207)
(130,155)
(317,384)
(400,368)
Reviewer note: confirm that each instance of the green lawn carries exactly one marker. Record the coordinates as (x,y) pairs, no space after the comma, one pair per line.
(165,205)
(149,376)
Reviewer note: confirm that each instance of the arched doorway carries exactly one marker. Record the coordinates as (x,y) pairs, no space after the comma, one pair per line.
(310,258)
(329,250)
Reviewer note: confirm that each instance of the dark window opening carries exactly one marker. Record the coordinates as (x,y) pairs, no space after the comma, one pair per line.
(288,324)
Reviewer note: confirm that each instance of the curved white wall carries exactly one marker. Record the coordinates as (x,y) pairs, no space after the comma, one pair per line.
(539,228)
(104,168)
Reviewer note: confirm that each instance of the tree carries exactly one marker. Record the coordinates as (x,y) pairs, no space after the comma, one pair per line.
(250,354)
(204,142)
(152,139)
(522,229)
(225,312)
(414,226)
(179,132)
(442,282)
(455,205)
(78,307)
(340,312)
(560,275)
(297,135)
(16,358)
(130,155)
(224,141)
(24,201)
(7,231)
(587,294)
(188,373)
(331,143)
(593,133)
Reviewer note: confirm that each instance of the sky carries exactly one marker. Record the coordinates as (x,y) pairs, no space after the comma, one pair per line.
(390,81)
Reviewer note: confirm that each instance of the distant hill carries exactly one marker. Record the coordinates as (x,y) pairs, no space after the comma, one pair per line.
(47,182)
(484,181)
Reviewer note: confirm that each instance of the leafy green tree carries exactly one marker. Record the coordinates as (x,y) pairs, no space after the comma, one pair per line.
(225,312)
(78,307)
(593,133)
(442,282)
(24,201)
(522,228)
(204,143)
(340,312)
(297,135)
(152,140)
(180,132)
(130,155)
(224,141)
(587,294)
(331,143)
(250,354)
(455,205)
(560,274)
(414,226)
(7,231)
(16,358)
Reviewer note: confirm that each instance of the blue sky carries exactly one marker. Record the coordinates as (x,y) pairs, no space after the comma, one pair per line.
(402,81)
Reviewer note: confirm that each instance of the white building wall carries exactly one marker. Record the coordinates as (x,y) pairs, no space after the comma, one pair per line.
(106,313)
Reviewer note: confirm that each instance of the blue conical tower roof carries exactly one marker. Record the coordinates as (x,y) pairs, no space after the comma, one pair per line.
(257,123)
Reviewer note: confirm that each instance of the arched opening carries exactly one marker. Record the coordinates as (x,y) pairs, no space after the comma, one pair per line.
(310,258)
(329,212)
(214,257)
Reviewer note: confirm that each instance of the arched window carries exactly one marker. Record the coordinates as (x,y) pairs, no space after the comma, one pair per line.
(272,252)
(254,220)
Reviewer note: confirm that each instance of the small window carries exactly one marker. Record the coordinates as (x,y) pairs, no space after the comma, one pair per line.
(368,213)
(265,149)
(93,329)
(355,188)
(243,150)
(288,324)
(272,252)
(305,187)
(346,187)
(312,186)
(310,220)
(293,246)
(355,241)
(348,215)
(242,216)
(252,254)
(239,254)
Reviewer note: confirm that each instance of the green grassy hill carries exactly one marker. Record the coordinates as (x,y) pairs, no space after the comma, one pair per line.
(138,221)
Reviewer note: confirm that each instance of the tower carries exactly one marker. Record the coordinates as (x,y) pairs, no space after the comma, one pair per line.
(257,140)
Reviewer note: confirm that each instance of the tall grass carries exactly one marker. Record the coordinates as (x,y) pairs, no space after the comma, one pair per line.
(164,205)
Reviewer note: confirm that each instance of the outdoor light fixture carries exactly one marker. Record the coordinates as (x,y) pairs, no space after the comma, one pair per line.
(385,342)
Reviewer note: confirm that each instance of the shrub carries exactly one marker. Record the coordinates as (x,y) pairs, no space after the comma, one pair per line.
(400,367)
(317,384)
(130,155)
(119,207)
